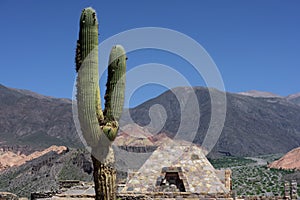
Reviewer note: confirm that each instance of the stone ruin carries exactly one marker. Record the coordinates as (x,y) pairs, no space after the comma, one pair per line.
(290,190)
(178,167)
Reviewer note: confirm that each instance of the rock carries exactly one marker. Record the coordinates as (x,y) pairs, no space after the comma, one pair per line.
(288,161)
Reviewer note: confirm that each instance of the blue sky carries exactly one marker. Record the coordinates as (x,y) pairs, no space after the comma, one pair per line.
(255,44)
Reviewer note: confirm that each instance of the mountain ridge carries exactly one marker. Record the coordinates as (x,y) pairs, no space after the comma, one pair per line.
(253,125)
(256,93)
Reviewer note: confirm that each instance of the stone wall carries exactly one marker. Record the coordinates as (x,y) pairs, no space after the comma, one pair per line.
(69,183)
(290,189)
(228,181)
(41,195)
(138,149)
(225,177)
(172,195)
(8,196)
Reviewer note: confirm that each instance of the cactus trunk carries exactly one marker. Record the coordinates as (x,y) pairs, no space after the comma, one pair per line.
(99,128)
(104,179)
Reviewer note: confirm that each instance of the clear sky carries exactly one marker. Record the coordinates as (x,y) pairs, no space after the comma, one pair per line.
(255,44)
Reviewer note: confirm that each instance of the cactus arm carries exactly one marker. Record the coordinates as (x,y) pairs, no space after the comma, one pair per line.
(115,86)
(115,89)
(88,99)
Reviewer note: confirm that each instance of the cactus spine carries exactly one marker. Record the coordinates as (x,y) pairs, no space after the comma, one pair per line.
(99,127)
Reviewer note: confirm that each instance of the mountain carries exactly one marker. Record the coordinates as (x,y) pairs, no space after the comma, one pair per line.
(295,98)
(253,125)
(288,161)
(256,93)
(30,121)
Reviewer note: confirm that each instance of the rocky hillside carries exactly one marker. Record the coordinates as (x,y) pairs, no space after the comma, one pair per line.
(288,161)
(294,98)
(44,172)
(10,159)
(30,122)
(253,125)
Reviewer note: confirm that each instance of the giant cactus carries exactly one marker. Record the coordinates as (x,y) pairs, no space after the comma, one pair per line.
(99,127)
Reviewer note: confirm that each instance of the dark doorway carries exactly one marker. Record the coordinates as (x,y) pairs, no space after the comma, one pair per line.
(172,179)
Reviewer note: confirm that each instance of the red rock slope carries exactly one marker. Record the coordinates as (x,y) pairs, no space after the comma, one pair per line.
(9,159)
(291,160)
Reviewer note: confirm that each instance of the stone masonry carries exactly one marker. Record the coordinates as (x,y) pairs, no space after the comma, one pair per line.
(182,161)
